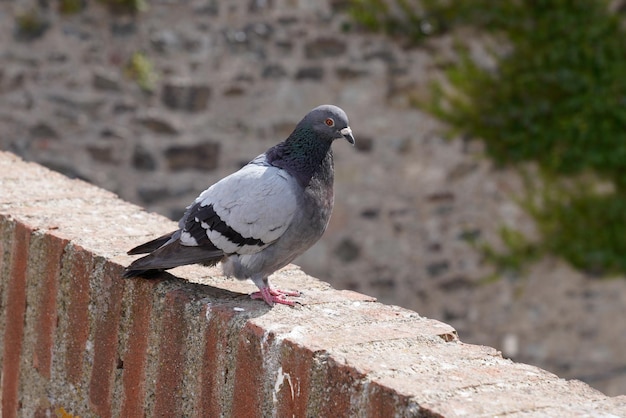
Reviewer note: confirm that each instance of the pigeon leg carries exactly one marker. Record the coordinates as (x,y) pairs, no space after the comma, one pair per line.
(271,296)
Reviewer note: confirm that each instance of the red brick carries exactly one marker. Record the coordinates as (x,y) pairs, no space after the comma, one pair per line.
(171,355)
(107,319)
(47,309)
(44,412)
(77,312)
(133,377)
(384,402)
(6,231)
(338,384)
(214,367)
(3,226)
(293,395)
(14,328)
(247,396)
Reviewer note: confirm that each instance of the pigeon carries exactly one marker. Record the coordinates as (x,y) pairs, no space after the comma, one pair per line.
(260,218)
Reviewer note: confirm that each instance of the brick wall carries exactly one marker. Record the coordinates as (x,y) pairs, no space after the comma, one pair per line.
(78,340)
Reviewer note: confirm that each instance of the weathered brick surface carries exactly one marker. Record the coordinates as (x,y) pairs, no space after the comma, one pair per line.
(78,338)
(134,360)
(77,295)
(107,298)
(293,385)
(216,384)
(47,304)
(171,357)
(14,317)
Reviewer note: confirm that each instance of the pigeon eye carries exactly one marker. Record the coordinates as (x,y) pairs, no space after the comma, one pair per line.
(329,122)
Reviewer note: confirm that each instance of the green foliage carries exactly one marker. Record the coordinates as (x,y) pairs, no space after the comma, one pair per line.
(69,7)
(30,25)
(519,251)
(140,69)
(126,6)
(589,232)
(580,224)
(411,20)
(558,99)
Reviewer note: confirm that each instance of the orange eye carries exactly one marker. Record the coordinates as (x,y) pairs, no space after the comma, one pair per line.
(329,122)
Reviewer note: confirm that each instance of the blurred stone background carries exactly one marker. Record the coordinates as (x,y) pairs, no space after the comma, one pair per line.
(157,105)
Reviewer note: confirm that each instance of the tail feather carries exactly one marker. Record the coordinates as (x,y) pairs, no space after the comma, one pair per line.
(148,247)
(173,255)
(146,274)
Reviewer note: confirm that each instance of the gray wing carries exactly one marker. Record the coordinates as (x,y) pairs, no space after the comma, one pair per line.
(241,214)
(244,212)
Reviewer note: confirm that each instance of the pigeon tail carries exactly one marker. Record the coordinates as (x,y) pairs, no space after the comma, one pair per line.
(173,255)
(150,246)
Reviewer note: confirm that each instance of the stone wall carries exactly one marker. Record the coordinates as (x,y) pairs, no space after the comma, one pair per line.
(231,79)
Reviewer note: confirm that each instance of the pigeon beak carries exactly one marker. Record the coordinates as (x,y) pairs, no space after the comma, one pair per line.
(347,134)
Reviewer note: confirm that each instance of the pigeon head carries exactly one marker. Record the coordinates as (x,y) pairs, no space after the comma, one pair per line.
(329,123)
(307,151)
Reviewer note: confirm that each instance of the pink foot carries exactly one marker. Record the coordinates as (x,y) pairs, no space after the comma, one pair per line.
(271,296)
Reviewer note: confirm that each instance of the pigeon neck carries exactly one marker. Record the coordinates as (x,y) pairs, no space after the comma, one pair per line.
(304,156)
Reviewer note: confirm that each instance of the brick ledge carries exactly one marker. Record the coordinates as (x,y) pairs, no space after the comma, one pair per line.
(79,339)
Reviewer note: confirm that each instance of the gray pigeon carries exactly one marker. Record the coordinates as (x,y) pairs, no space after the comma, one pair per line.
(257,220)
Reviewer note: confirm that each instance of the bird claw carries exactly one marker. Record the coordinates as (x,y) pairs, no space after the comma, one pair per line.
(271,296)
